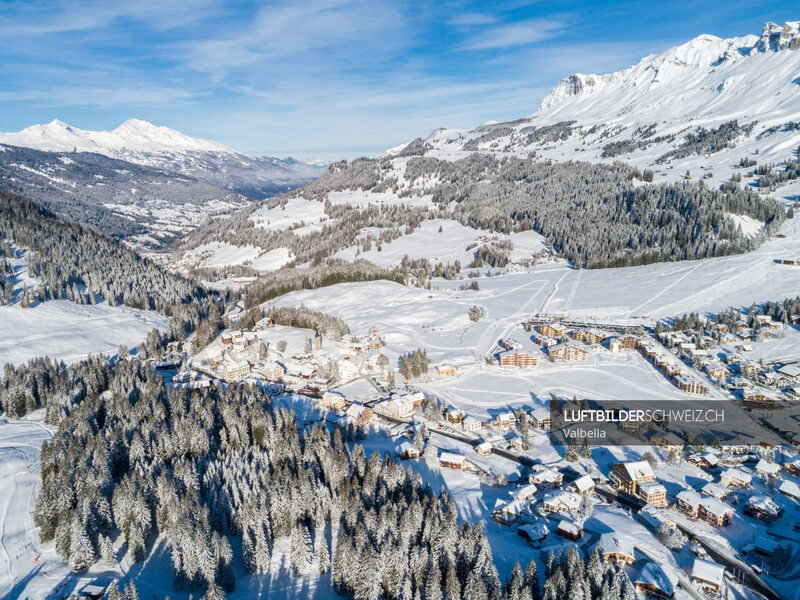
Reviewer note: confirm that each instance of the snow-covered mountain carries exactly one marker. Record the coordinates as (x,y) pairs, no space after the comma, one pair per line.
(726,111)
(147,206)
(708,77)
(643,112)
(163,148)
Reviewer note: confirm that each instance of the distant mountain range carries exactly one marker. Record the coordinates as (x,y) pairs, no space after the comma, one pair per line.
(642,113)
(147,206)
(147,184)
(142,143)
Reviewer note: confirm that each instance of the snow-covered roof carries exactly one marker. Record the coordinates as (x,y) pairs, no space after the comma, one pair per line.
(652,487)
(569,527)
(714,489)
(690,497)
(513,507)
(767,467)
(536,531)
(525,492)
(613,543)
(583,484)
(653,516)
(765,504)
(715,507)
(652,574)
(484,447)
(566,345)
(93,590)
(790,488)
(540,413)
(355,410)
(449,457)
(733,473)
(407,448)
(708,571)
(686,379)
(542,473)
(413,396)
(790,370)
(570,500)
(470,420)
(638,470)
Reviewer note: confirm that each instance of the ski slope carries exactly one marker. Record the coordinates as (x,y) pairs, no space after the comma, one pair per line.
(67,331)
(20,555)
(438,319)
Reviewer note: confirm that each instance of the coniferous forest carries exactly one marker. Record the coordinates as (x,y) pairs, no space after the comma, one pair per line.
(193,470)
(595,215)
(76,263)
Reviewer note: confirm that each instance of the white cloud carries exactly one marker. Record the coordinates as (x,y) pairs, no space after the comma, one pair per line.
(470,19)
(512,34)
(110,97)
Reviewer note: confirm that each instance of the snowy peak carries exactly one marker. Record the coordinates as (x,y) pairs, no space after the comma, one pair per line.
(776,38)
(143,143)
(700,53)
(133,135)
(692,60)
(136,134)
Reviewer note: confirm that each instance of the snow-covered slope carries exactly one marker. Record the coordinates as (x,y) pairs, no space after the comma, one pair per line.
(706,82)
(132,136)
(142,143)
(708,77)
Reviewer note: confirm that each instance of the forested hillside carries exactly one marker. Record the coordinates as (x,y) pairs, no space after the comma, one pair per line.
(115,197)
(343,225)
(73,262)
(595,215)
(197,469)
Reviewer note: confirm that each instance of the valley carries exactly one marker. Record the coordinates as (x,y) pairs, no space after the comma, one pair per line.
(230,376)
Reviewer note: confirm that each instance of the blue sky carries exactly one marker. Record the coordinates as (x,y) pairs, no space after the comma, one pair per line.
(327,78)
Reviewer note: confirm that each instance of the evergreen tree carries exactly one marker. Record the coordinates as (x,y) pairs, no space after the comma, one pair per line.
(324,557)
(107,552)
(532,580)
(81,551)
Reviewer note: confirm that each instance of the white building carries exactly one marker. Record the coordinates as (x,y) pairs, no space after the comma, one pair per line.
(471,424)
(237,370)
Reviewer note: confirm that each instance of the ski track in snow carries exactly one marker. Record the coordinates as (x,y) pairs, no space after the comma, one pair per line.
(691,271)
(17,502)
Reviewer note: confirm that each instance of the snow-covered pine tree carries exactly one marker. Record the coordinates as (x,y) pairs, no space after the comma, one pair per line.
(301,549)
(532,580)
(324,556)
(107,552)
(81,551)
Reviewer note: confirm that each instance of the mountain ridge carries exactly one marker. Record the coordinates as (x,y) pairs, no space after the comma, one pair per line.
(142,143)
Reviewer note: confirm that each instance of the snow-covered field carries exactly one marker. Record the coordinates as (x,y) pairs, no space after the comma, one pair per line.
(438,319)
(441,241)
(222,254)
(64,330)
(294,212)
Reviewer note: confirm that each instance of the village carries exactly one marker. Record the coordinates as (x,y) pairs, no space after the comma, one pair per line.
(714,513)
